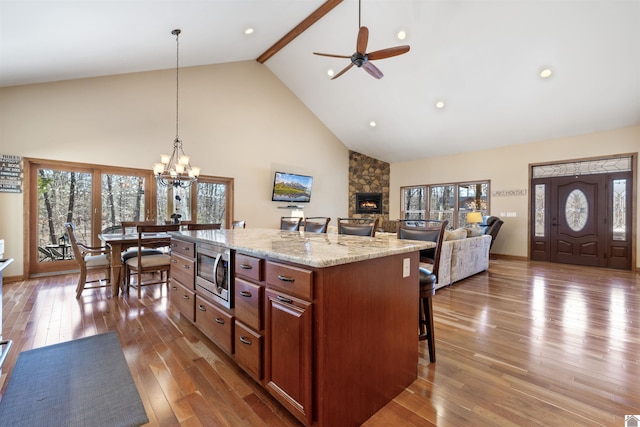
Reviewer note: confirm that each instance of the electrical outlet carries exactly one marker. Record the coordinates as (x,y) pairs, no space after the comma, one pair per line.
(406,267)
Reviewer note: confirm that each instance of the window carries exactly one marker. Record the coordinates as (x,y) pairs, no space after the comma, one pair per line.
(446,201)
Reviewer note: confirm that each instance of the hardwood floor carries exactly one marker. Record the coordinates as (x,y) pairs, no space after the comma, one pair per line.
(526,343)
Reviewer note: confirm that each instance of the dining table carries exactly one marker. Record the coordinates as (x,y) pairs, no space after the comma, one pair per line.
(119,243)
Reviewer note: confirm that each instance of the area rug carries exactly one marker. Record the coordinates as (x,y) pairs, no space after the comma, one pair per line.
(84,382)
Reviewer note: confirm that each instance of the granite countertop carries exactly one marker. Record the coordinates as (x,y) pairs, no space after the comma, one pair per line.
(311,249)
(4,263)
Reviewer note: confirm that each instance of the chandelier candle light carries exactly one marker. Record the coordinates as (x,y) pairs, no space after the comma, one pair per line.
(175,169)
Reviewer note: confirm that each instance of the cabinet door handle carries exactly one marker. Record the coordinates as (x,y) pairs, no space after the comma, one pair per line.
(186,248)
(175,261)
(245,294)
(283,299)
(245,266)
(286,278)
(174,245)
(244,340)
(202,308)
(185,296)
(186,266)
(219,320)
(174,288)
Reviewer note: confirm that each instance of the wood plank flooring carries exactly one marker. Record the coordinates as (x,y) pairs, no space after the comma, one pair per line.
(524,344)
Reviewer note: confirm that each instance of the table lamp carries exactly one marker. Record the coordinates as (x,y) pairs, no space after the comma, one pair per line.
(474,218)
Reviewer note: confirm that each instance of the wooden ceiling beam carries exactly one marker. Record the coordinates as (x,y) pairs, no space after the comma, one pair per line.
(325,8)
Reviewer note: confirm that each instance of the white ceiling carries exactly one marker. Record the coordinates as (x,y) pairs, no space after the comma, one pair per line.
(481,57)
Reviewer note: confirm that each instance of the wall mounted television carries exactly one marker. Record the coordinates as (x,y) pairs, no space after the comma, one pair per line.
(291,187)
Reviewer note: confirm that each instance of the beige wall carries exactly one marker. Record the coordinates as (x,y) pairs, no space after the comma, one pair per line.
(508,169)
(236,120)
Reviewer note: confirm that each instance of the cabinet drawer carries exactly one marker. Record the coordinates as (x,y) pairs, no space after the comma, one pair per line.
(187,249)
(248,303)
(182,299)
(215,323)
(248,346)
(249,267)
(183,270)
(292,280)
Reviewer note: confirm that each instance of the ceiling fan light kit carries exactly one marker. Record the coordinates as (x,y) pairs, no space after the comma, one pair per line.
(361,58)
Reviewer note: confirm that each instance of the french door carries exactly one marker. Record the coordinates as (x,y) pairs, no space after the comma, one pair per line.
(98,198)
(95,198)
(583,219)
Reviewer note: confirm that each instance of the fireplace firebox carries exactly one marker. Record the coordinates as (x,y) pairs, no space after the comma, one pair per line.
(368,203)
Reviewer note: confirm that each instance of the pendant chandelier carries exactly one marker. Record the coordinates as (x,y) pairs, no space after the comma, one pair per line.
(175,169)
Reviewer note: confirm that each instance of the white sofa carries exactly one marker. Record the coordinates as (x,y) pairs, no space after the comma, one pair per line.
(461,257)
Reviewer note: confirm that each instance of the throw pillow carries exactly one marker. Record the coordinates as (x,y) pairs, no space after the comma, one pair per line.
(457,234)
(474,232)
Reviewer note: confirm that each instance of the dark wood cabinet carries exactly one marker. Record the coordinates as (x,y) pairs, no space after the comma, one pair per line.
(215,323)
(289,352)
(332,344)
(248,350)
(182,299)
(213,320)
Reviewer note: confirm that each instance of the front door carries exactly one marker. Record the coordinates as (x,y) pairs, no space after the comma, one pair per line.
(583,219)
(578,215)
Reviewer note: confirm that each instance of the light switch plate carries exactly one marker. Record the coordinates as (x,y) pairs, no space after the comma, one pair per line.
(406,267)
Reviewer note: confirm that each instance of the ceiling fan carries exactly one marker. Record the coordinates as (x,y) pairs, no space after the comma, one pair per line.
(360,58)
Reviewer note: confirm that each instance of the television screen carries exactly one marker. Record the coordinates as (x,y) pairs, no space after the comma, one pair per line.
(289,187)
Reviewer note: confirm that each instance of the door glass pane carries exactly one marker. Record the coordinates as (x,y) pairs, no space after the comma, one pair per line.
(576,210)
(211,203)
(172,202)
(122,200)
(442,203)
(471,197)
(619,222)
(414,202)
(540,210)
(63,196)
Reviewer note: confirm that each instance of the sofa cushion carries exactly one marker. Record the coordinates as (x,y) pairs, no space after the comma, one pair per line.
(457,234)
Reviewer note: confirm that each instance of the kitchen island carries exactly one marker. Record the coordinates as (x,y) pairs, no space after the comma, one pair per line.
(326,323)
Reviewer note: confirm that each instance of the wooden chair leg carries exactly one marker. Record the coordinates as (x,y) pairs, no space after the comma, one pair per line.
(426,326)
(81,282)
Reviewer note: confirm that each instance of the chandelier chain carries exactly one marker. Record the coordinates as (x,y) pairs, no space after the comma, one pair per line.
(177,33)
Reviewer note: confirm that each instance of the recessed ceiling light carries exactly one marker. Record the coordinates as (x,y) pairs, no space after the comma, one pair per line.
(440,105)
(330,72)
(402,35)
(248,31)
(372,124)
(546,73)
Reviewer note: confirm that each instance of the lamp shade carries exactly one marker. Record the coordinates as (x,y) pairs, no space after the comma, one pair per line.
(474,217)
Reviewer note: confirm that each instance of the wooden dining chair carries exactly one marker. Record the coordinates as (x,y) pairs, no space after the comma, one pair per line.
(290,223)
(150,236)
(316,224)
(131,227)
(358,226)
(215,226)
(89,259)
(433,231)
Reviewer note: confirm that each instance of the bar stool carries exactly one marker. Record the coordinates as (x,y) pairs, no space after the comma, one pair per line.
(427,277)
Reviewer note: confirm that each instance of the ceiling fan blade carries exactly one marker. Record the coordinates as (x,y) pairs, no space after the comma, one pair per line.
(387,53)
(373,70)
(332,55)
(363,39)
(344,70)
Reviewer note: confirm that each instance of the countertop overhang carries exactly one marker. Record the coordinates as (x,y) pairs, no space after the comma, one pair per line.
(311,249)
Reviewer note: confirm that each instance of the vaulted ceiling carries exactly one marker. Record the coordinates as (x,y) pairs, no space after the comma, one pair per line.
(481,58)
